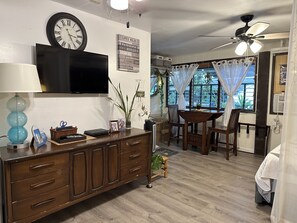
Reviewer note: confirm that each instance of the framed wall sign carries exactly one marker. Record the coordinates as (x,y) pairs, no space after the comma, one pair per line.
(127,53)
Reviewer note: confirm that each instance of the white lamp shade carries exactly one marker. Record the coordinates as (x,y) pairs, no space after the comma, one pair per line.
(256,46)
(119,4)
(16,78)
(241,48)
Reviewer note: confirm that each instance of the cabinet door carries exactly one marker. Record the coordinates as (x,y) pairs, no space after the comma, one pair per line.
(112,163)
(79,174)
(97,168)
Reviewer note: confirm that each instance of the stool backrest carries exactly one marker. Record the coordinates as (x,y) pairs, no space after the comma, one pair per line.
(173,114)
(233,120)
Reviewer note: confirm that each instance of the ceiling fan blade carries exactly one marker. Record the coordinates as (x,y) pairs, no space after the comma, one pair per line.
(226,44)
(257,28)
(274,36)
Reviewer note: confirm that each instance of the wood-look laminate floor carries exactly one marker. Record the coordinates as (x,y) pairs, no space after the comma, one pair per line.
(198,189)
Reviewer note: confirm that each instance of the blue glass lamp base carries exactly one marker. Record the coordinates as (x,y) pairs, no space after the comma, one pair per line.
(17,134)
(23,145)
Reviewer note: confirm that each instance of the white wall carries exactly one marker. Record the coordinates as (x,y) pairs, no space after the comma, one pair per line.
(245,141)
(23,25)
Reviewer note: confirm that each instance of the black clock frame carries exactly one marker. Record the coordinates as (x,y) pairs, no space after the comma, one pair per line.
(50,29)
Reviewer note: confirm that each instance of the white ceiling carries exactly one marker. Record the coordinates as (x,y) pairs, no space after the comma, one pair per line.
(175,25)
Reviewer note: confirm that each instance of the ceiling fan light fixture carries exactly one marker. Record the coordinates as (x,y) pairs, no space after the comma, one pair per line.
(241,48)
(119,4)
(256,46)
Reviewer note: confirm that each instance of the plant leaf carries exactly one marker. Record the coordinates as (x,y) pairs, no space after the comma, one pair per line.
(123,104)
(131,108)
(156,162)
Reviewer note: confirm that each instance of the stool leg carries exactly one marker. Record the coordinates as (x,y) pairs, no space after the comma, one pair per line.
(227,147)
(178,133)
(170,134)
(235,144)
(166,168)
(209,147)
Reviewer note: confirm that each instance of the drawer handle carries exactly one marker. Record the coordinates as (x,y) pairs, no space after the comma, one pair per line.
(135,169)
(134,143)
(133,156)
(40,166)
(42,184)
(42,203)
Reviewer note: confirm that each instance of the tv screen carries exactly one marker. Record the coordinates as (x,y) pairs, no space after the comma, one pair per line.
(71,71)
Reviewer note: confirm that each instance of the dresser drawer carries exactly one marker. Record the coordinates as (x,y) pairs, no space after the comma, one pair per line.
(33,186)
(41,203)
(35,167)
(133,171)
(136,144)
(134,156)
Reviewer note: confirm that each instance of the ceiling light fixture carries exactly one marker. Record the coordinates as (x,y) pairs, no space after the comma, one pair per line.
(119,4)
(254,45)
(241,48)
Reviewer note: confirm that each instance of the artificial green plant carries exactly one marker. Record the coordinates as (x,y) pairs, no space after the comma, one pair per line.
(156,162)
(123,102)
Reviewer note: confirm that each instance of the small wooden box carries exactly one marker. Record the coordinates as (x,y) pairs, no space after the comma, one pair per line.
(57,134)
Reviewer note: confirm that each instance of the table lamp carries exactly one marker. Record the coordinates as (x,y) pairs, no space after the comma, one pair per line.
(18,78)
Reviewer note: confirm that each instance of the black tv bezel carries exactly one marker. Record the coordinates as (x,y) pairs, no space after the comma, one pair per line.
(101,90)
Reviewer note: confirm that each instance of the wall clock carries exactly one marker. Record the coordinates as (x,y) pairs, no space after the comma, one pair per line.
(67,31)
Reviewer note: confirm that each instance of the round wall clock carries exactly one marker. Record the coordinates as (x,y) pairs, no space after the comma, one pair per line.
(67,31)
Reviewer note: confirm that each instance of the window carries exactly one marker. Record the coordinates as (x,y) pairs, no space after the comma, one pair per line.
(206,91)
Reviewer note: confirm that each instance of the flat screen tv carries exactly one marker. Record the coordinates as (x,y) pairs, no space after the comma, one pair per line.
(71,71)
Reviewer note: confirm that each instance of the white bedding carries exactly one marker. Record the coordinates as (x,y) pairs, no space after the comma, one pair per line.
(267,173)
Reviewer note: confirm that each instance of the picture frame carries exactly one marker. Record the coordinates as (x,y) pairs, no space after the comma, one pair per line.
(39,138)
(283,74)
(279,71)
(114,125)
(122,124)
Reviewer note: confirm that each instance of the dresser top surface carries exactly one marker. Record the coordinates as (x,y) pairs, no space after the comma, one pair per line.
(51,148)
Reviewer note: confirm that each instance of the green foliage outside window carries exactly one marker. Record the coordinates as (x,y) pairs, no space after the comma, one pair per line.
(244,103)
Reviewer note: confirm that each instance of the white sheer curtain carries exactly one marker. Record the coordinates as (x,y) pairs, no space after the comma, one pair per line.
(284,206)
(181,77)
(231,73)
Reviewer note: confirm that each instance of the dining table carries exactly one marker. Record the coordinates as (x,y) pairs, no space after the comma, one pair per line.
(196,138)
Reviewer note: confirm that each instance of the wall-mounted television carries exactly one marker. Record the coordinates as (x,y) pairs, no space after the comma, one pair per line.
(71,71)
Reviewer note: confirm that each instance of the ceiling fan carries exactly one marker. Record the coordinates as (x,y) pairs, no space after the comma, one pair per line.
(250,36)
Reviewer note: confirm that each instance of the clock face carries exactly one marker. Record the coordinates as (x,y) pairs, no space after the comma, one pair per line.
(66,31)
(68,34)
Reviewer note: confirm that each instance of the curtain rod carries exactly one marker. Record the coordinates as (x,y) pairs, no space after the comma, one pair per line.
(210,61)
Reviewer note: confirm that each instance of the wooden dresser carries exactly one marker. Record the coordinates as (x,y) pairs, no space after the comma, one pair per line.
(38,182)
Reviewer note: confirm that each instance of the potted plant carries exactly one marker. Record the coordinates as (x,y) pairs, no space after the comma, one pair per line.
(123,102)
(156,162)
